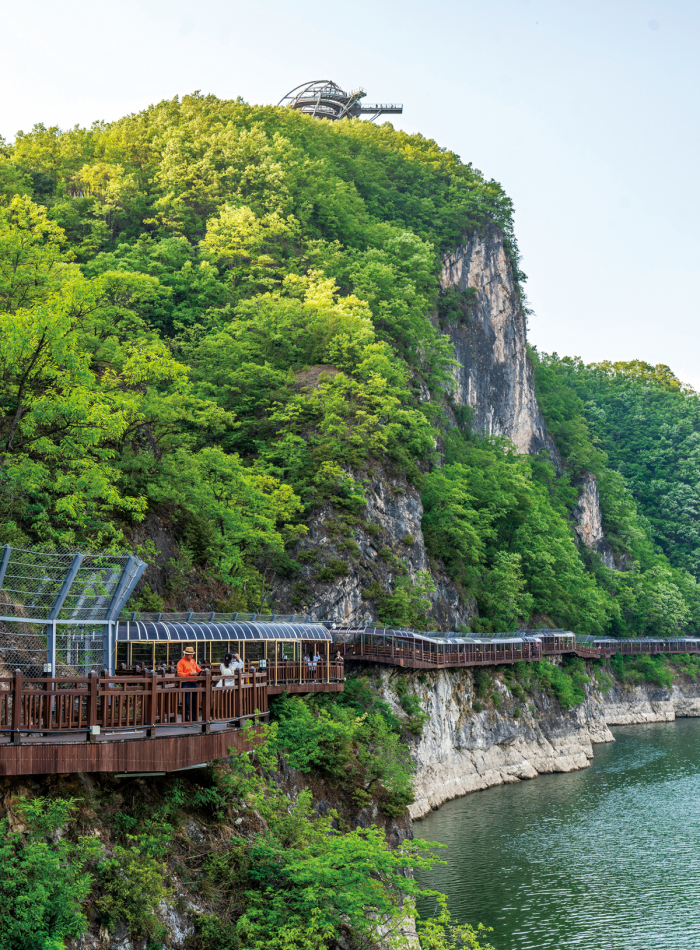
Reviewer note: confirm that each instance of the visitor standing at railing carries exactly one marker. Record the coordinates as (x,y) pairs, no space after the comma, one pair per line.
(187,666)
(232,662)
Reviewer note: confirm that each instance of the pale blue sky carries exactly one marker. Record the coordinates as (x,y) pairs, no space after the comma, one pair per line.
(586,112)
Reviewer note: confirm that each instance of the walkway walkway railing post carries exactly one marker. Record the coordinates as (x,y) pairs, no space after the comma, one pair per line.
(91,705)
(56,609)
(16,708)
(150,717)
(206,725)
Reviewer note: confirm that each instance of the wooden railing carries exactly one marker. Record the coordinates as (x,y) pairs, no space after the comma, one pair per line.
(306,672)
(279,673)
(423,654)
(96,704)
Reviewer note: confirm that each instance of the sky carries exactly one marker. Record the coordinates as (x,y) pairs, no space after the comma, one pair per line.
(586,111)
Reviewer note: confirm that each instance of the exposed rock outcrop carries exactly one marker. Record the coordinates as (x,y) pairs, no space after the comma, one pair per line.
(463,750)
(494,377)
(589,523)
(650,704)
(387,544)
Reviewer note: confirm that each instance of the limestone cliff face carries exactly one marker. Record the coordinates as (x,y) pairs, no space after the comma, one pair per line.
(589,524)
(494,377)
(462,750)
(386,545)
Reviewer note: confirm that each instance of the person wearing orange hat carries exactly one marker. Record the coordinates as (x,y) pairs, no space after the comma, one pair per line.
(187,666)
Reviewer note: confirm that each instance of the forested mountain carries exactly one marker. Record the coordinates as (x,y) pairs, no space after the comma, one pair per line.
(221,320)
(646,424)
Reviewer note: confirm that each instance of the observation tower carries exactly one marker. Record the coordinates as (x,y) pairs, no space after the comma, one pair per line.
(324,99)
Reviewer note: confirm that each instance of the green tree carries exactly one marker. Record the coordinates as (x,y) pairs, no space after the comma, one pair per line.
(44,882)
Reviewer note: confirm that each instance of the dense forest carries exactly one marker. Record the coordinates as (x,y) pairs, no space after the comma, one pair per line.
(226,318)
(221,314)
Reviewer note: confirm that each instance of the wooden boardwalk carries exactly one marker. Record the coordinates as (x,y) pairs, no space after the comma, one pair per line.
(417,651)
(150,721)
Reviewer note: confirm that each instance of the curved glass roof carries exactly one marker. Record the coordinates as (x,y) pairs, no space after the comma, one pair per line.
(183,632)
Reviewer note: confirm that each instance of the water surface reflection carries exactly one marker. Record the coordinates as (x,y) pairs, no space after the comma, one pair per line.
(604,859)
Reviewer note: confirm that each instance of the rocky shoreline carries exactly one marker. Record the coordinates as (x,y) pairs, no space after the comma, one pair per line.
(462,750)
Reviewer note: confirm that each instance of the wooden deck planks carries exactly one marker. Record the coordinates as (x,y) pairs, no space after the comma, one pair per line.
(163,754)
(306,688)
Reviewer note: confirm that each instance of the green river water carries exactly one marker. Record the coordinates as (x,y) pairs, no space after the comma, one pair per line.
(603,859)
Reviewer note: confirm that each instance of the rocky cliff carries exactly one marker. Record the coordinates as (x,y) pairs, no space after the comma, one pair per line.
(589,522)
(341,559)
(494,378)
(341,563)
(464,748)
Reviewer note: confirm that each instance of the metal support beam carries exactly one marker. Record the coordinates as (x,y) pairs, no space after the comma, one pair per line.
(124,581)
(6,551)
(131,575)
(56,609)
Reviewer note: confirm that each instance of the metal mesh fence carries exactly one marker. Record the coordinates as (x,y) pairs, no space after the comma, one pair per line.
(42,591)
(22,647)
(79,650)
(67,585)
(215,617)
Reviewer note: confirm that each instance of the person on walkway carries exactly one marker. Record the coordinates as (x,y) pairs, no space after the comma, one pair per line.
(187,666)
(232,662)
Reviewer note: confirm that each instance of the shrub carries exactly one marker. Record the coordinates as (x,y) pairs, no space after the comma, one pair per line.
(149,600)
(482,681)
(302,593)
(359,695)
(565,683)
(352,547)
(133,884)
(357,751)
(412,706)
(334,568)
(642,669)
(43,883)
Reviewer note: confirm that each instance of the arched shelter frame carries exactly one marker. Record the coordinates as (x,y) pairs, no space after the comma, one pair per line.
(280,668)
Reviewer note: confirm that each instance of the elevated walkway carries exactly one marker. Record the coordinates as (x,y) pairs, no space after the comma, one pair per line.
(413,650)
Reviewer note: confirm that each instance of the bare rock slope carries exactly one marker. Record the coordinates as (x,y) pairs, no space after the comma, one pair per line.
(494,377)
(463,750)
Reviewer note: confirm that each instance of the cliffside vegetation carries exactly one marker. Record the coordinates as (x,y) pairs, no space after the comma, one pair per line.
(646,424)
(636,428)
(237,858)
(218,316)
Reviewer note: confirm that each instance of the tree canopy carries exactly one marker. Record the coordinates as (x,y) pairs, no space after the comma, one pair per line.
(220,314)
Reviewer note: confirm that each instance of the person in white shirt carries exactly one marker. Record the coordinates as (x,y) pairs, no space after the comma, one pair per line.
(232,662)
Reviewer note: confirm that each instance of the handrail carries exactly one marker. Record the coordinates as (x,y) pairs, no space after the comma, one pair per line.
(92,704)
(422,653)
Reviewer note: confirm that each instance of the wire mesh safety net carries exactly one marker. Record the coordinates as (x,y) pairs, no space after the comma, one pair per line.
(23,647)
(34,584)
(80,591)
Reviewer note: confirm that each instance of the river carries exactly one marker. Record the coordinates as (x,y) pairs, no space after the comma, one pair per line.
(603,859)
